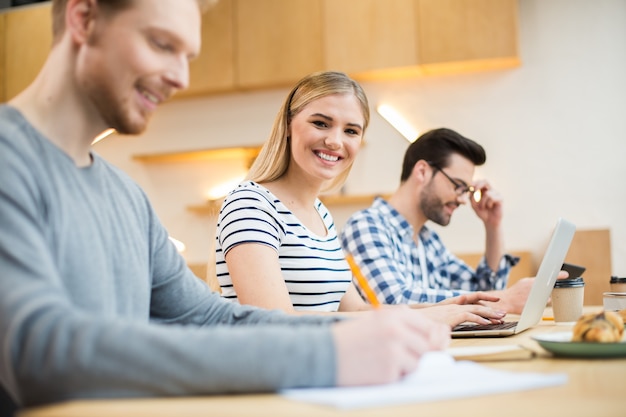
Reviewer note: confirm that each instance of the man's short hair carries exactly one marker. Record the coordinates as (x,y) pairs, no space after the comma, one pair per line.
(436,146)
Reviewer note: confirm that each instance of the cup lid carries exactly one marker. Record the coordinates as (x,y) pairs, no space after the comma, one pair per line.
(618,280)
(569,283)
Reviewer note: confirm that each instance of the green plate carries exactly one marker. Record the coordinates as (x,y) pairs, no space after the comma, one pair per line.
(560,344)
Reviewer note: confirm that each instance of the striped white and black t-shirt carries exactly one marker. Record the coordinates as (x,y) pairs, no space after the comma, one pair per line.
(314,267)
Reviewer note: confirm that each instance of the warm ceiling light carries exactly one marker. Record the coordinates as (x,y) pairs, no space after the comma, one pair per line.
(180,246)
(220,190)
(103,135)
(399,123)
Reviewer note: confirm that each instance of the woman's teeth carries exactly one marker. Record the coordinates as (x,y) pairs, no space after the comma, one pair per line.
(327,157)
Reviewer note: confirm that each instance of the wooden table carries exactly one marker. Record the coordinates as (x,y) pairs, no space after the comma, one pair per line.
(596,388)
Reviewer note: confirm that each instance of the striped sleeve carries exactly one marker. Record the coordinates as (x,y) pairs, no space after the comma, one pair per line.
(247,217)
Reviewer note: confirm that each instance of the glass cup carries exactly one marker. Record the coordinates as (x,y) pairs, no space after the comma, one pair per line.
(567,299)
(614,301)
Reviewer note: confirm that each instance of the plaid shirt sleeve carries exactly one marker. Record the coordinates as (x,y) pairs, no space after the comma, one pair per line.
(383,247)
(392,269)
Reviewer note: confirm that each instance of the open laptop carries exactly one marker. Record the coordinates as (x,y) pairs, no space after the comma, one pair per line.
(539,293)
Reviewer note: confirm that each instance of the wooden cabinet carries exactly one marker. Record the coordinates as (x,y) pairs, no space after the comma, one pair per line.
(368,35)
(27,34)
(277,41)
(374,39)
(26,38)
(2,57)
(214,69)
(457,34)
(251,44)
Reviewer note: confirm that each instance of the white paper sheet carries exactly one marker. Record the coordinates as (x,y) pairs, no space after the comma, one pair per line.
(439,377)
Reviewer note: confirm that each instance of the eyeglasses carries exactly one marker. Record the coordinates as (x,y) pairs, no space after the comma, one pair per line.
(460,188)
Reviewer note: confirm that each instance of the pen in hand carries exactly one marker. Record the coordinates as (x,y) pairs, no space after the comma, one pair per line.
(369,293)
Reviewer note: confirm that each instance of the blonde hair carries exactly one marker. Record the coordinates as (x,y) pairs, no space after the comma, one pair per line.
(273,160)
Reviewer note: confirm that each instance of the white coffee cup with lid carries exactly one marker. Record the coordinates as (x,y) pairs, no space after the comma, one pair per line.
(567,299)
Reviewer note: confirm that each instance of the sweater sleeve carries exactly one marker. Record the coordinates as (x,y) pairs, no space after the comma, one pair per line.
(51,352)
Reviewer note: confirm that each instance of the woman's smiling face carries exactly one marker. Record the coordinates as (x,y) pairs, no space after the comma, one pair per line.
(326,136)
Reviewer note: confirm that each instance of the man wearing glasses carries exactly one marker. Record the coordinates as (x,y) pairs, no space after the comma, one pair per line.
(405,261)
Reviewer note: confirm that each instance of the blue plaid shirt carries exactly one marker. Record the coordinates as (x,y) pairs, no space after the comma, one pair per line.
(381,242)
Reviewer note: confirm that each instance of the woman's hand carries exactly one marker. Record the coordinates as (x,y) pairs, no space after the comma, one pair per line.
(471,298)
(454,314)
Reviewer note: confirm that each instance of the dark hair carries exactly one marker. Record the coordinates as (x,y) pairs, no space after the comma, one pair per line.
(436,146)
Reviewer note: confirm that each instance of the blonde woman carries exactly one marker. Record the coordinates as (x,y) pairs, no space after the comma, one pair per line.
(276,243)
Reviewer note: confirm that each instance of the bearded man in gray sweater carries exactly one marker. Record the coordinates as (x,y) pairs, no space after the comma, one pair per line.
(95,301)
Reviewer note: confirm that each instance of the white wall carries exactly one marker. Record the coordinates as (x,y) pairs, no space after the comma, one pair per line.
(554,130)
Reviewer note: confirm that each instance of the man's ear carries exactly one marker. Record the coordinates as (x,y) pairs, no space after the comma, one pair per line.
(80,18)
(421,171)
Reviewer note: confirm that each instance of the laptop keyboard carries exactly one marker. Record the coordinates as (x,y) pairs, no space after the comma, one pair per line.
(492,326)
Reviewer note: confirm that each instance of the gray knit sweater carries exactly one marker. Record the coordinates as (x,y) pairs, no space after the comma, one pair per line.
(96,302)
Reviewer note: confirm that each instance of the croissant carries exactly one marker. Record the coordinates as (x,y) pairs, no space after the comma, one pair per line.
(604,327)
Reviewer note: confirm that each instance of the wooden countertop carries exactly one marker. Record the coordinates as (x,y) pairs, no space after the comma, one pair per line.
(595,388)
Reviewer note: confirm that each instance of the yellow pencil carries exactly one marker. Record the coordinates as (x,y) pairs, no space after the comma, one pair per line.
(369,293)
